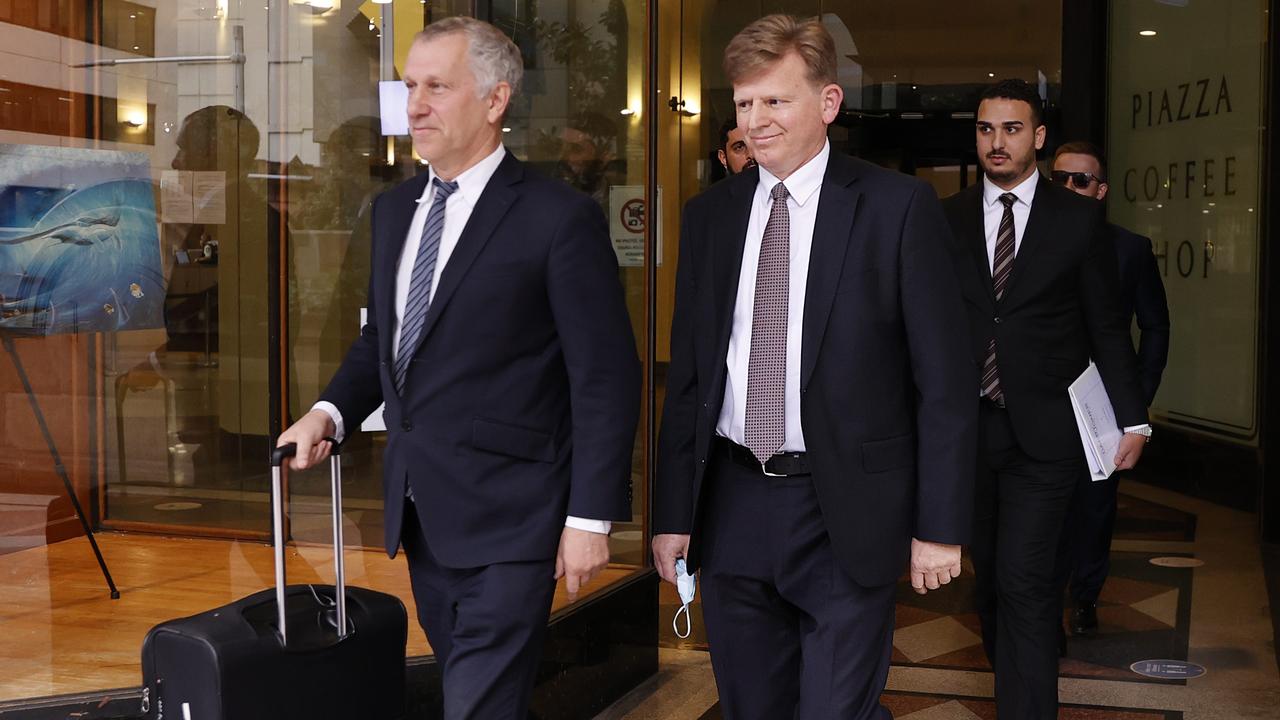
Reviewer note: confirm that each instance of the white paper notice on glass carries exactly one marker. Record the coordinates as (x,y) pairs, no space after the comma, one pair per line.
(209,197)
(1099,433)
(393,98)
(175,197)
(375,422)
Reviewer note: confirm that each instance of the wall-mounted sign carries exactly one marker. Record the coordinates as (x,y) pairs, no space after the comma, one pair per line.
(627,225)
(1184,148)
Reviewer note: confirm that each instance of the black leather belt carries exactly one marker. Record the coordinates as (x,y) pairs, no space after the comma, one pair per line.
(992,404)
(780,465)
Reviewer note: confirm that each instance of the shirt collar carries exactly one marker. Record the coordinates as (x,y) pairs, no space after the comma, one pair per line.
(472,181)
(804,182)
(1025,190)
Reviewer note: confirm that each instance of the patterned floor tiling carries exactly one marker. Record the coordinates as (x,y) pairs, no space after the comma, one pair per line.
(925,706)
(1144,613)
(1138,519)
(1134,612)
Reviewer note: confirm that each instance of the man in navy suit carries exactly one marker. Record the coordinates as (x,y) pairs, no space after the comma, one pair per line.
(498,338)
(1086,552)
(819,430)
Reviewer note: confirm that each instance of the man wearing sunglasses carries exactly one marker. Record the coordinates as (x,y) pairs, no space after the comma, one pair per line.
(1086,548)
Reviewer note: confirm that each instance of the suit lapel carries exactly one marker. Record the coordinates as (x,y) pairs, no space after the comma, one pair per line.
(832,233)
(401,207)
(494,202)
(726,255)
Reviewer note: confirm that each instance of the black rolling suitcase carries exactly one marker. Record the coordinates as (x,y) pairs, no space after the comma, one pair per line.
(278,654)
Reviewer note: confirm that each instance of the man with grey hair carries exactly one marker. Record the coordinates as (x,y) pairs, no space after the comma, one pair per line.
(499,340)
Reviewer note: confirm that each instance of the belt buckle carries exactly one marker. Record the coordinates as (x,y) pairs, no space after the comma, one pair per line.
(764,468)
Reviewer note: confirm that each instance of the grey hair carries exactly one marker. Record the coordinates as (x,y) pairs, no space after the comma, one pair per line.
(491,54)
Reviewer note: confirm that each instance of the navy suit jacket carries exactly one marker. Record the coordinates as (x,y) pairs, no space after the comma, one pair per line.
(1142,296)
(1060,309)
(521,400)
(888,391)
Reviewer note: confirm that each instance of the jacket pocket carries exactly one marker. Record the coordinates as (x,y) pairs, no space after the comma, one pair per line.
(512,440)
(889,454)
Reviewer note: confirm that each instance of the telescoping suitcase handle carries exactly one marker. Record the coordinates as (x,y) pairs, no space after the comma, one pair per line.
(278,456)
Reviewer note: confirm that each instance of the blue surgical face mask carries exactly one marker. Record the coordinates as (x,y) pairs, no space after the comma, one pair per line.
(686,585)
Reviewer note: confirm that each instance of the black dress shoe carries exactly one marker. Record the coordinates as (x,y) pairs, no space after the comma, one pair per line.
(1084,619)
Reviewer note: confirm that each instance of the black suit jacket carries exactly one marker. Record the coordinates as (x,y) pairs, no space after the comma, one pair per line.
(1142,295)
(887,397)
(521,401)
(1060,308)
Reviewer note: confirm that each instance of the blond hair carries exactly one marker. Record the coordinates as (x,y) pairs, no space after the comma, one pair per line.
(769,39)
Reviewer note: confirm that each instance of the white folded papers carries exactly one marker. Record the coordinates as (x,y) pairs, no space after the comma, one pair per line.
(1096,420)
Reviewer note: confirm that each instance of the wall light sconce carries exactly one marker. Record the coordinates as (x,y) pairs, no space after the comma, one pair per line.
(318,7)
(682,107)
(135,118)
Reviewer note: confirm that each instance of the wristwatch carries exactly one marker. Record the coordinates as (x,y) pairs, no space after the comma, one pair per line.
(1144,431)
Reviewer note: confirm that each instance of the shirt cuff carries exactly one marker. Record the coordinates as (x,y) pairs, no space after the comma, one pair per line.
(338,431)
(601,527)
(1135,428)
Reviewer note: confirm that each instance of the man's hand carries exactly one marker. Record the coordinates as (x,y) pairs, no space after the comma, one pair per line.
(582,555)
(666,548)
(933,565)
(1130,450)
(309,433)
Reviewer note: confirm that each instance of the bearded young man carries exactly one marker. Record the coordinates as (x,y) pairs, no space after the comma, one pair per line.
(1041,289)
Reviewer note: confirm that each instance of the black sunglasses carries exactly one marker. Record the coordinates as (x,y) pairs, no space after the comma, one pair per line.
(1079,180)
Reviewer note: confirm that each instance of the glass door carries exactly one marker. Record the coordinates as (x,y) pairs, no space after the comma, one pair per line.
(186,416)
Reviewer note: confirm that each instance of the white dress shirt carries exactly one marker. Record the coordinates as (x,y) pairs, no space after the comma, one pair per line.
(802,203)
(458,208)
(993,212)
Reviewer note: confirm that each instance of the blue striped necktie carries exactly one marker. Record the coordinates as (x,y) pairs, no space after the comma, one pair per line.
(424,273)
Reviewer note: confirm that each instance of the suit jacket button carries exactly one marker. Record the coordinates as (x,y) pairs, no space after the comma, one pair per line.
(997,319)
(406,425)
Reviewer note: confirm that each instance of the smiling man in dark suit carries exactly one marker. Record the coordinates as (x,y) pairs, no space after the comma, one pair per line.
(498,338)
(1039,280)
(819,427)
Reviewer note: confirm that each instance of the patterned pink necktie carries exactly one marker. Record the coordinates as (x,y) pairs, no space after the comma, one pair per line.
(766,420)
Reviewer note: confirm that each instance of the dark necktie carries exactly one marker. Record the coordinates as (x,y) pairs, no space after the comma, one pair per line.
(424,272)
(766,420)
(1001,266)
